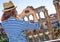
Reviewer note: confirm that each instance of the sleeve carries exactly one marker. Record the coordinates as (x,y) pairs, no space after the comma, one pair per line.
(32,25)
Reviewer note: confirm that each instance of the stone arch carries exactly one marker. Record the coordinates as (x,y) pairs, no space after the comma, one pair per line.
(28,17)
(45,11)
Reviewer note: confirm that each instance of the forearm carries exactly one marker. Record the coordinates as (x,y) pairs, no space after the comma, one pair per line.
(20,16)
(35,18)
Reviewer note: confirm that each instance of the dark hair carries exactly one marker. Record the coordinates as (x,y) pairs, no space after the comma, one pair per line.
(8,14)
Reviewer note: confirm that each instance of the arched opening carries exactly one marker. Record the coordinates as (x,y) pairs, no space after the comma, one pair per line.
(42,15)
(26,18)
(31,17)
(43,20)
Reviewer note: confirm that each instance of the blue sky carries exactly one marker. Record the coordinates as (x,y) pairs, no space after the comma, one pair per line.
(21,4)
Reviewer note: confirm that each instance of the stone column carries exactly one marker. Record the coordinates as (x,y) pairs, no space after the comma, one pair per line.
(57,7)
(40,21)
(49,24)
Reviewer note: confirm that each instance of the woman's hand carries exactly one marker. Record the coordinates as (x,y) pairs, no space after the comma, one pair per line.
(30,12)
(21,15)
(27,12)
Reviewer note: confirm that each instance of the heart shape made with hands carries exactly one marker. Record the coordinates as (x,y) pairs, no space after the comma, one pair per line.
(29,11)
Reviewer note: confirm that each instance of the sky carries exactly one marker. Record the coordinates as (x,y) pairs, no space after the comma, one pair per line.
(22,4)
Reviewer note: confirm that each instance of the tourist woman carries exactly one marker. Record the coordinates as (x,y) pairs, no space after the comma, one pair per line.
(14,24)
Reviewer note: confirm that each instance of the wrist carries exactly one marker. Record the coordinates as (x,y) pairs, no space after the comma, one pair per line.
(34,15)
(35,18)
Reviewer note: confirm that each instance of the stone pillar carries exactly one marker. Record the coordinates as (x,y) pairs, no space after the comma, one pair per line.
(49,24)
(40,21)
(57,7)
